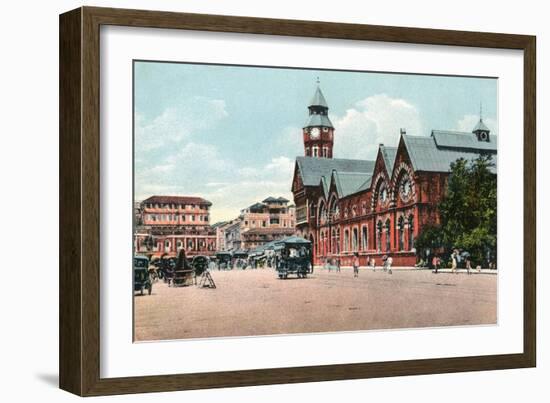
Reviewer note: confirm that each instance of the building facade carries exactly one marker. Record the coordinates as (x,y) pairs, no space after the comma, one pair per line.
(272,218)
(376,208)
(168,224)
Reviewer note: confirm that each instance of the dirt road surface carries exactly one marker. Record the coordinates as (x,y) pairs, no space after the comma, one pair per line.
(256,302)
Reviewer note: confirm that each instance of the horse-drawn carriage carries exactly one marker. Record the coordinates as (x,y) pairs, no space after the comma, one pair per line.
(186,273)
(293,256)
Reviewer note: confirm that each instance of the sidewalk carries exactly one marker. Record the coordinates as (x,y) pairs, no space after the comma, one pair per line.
(407,268)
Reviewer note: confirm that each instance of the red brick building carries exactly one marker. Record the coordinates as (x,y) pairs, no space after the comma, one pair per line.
(378,207)
(167,224)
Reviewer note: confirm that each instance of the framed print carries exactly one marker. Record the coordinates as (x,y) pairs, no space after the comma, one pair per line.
(250,201)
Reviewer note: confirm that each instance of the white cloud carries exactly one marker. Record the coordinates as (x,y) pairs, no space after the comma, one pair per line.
(468,122)
(374,120)
(227,185)
(177,123)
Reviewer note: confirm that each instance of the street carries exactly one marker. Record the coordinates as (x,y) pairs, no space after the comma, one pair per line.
(256,302)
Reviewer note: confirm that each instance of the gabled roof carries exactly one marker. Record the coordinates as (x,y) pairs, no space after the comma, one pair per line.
(311,169)
(318,99)
(388,154)
(426,155)
(324,182)
(348,183)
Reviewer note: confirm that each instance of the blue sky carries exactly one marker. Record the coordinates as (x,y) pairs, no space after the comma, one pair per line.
(231,133)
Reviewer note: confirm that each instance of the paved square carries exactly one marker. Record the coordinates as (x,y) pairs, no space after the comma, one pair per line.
(256,302)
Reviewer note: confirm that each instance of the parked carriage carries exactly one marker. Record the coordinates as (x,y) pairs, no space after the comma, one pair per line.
(293,256)
(142,279)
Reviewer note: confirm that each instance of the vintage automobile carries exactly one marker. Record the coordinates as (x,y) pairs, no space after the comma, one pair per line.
(293,256)
(142,279)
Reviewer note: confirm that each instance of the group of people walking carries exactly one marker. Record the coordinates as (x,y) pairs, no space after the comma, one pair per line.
(387,262)
(455,260)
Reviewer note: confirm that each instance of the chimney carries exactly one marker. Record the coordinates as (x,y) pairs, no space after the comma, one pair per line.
(403,131)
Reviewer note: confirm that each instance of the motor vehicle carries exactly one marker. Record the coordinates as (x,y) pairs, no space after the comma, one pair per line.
(293,256)
(142,279)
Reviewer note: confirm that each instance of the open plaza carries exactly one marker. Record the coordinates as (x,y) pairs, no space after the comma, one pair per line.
(255,302)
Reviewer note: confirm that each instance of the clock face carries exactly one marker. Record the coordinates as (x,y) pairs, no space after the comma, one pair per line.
(405,188)
(315,132)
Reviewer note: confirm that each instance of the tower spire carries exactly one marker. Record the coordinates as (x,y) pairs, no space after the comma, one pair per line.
(481,130)
(318,130)
(480,111)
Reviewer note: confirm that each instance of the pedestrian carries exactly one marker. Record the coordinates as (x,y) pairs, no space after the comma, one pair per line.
(389,262)
(468,265)
(385,262)
(435,261)
(454,263)
(338,265)
(355,264)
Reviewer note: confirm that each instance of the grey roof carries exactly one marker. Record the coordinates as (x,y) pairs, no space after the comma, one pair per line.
(282,200)
(269,199)
(318,120)
(348,183)
(425,154)
(312,168)
(324,183)
(389,154)
(461,140)
(480,126)
(318,99)
(257,206)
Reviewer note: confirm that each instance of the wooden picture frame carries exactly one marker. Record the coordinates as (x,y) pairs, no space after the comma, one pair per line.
(79,347)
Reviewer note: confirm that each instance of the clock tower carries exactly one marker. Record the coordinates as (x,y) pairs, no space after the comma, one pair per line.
(318,131)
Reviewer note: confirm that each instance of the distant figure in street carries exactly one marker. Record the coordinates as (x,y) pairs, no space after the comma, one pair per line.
(389,262)
(435,263)
(454,263)
(385,262)
(355,264)
(468,265)
(338,265)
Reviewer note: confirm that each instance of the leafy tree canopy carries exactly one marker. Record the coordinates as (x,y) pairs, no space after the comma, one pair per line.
(468,212)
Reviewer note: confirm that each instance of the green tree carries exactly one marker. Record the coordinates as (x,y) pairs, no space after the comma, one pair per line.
(468,212)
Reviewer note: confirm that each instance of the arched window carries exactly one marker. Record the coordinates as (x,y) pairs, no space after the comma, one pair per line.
(388,239)
(337,240)
(346,240)
(355,239)
(411,233)
(379,236)
(333,241)
(401,233)
(167,246)
(364,238)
